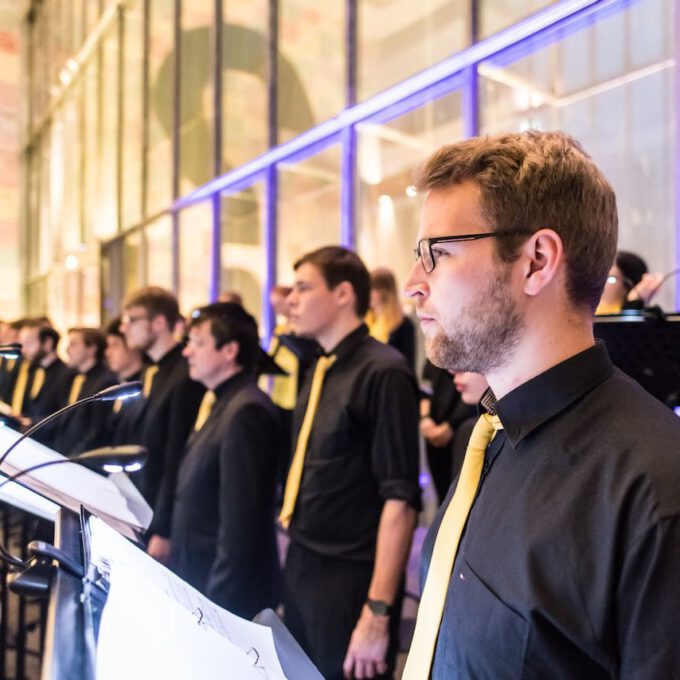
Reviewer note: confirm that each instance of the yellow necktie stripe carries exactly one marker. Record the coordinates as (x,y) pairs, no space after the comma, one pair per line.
(431,608)
(38,382)
(149,375)
(20,388)
(76,386)
(205,409)
(296,466)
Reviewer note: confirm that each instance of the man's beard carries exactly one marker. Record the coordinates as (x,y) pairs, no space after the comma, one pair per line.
(485,333)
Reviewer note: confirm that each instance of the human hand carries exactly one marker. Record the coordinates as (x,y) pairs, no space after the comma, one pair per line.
(647,288)
(159,548)
(427,427)
(441,435)
(367,649)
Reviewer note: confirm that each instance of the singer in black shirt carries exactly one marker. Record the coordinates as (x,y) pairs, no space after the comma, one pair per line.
(85,427)
(576,576)
(352,523)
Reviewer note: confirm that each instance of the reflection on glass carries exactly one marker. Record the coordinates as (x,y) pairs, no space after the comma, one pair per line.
(132,262)
(133,118)
(69,126)
(242,254)
(92,144)
(159,252)
(308,208)
(388,207)
(397,38)
(311,64)
(195,247)
(106,224)
(161,92)
(197,94)
(583,83)
(494,15)
(244,81)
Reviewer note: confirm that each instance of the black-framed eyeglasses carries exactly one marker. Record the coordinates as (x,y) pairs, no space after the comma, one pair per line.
(424,253)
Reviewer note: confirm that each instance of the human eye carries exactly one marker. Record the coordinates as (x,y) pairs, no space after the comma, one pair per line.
(438,252)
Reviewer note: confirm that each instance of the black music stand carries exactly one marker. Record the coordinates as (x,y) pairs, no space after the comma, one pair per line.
(646,346)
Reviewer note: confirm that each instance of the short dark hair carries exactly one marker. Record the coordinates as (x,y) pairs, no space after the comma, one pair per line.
(632,266)
(229,322)
(48,333)
(156,301)
(92,337)
(532,180)
(338,264)
(113,327)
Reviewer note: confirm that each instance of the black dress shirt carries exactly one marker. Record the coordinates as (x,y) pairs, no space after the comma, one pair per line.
(52,396)
(162,422)
(84,428)
(223,532)
(362,450)
(568,567)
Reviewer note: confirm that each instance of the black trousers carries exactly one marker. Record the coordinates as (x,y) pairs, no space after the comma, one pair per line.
(323,601)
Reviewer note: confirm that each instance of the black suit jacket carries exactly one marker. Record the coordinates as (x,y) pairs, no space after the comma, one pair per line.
(223,533)
(84,428)
(162,422)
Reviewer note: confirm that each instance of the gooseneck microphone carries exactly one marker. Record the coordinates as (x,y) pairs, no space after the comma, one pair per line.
(129,458)
(122,391)
(11,350)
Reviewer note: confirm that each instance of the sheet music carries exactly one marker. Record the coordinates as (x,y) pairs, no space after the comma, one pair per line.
(144,634)
(111,553)
(71,485)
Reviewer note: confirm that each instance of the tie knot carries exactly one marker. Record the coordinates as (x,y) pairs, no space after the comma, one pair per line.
(325,362)
(493,421)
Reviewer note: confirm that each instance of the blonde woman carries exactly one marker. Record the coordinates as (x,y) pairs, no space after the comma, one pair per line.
(386,320)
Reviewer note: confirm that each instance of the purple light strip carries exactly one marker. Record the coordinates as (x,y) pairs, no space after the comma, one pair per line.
(318,136)
(677,155)
(348,187)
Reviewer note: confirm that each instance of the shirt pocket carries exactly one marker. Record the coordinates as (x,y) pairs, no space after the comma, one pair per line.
(490,637)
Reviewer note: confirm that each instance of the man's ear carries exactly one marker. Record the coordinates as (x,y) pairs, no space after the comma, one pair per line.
(230,350)
(544,256)
(344,294)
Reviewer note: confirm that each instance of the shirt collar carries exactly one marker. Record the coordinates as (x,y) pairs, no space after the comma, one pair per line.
(227,388)
(533,403)
(350,343)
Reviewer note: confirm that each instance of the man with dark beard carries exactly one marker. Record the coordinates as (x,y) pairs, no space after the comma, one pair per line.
(557,552)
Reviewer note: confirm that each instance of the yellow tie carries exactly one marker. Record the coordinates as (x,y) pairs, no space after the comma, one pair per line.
(20,387)
(431,608)
(149,375)
(38,382)
(204,409)
(76,386)
(295,472)
(117,405)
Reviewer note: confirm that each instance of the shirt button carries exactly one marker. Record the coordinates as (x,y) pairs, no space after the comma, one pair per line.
(461,576)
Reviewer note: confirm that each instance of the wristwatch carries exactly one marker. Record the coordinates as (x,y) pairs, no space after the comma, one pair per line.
(379,607)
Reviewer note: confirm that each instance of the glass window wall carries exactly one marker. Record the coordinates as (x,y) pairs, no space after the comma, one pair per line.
(604,85)
(311,64)
(308,208)
(195,248)
(397,38)
(243,258)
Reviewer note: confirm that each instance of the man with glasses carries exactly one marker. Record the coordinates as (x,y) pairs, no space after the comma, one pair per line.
(162,419)
(557,551)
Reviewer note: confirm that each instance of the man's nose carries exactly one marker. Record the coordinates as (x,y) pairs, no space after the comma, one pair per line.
(416,284)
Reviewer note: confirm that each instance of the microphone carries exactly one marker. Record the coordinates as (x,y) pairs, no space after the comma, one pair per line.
(125,390)
(10,351)
(128,458)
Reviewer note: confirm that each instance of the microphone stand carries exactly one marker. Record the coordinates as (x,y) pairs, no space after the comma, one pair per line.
(124,390)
